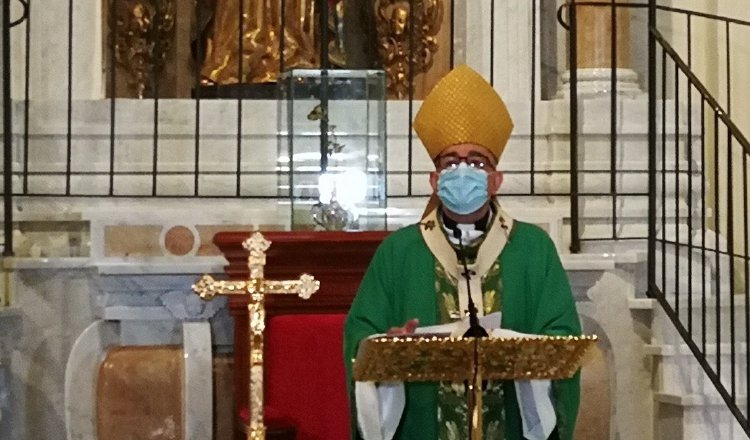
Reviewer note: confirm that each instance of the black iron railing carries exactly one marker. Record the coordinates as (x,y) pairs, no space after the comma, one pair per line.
(716,301)
(691,231)
(698,255)
(7,24)
(70,170)
(23,175)
(615,190)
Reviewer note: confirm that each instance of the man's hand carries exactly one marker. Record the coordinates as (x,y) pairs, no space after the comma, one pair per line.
(407,328)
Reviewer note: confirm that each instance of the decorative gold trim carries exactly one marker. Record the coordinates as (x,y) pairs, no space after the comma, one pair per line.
(489,251)
(144,30)
(398,29)
(419,358)
(256,29)
(257,288)
(428,225)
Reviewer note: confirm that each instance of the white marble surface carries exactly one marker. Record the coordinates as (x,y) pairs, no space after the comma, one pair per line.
(260,152)
(198,409)
(80,372)
(512,45)
(686,403)
(149,309)
(49,47)
(4,390)
(603,311)
(593,82)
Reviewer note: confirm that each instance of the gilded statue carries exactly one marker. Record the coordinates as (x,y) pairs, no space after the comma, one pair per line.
(393,22)
(260,43)
(143,33)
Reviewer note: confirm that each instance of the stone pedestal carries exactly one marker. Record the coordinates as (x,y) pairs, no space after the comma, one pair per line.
(598,81)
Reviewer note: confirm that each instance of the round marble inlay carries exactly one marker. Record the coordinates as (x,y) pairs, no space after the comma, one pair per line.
(179,240)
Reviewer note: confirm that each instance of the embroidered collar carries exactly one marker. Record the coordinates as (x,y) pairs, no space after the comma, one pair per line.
(480,225)
(488,251)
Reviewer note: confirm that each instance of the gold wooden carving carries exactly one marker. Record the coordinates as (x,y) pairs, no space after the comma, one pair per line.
(407,41)
(256,287)
(436,358)
(259,53)
(144,30)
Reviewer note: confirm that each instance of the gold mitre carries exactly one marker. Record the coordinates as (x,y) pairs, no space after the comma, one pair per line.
(463,108)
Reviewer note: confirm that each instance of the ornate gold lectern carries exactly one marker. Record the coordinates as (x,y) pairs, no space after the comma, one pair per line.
(256,288)
(427,358)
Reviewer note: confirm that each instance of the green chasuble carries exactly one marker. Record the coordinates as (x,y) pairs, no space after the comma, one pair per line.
(534,296)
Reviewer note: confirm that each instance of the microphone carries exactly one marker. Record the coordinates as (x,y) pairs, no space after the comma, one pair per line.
(475,330)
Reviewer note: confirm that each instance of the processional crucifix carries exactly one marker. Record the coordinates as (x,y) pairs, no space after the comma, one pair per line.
(256,288)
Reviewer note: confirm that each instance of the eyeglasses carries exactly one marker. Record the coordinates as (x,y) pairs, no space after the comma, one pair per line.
(474,160)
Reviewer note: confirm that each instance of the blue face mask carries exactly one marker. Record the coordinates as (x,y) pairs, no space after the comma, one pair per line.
(463,190)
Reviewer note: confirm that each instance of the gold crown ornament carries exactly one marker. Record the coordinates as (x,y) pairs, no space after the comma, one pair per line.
(463,108)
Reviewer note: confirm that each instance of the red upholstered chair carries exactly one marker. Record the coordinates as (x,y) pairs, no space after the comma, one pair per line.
(304,373)
(305,385)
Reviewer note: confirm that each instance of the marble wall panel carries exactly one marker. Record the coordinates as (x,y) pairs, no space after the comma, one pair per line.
(177,153)
(90,153)
(180,185)
(134,154)
(133,185)
(46,184)
(207,232)
(46,154)
(218,155)
(263,153)
(217,185)
(132,240)
(89,185)
(176,146)
(139,393)
(397,185)
(49,47)
(261,185)
(55,307)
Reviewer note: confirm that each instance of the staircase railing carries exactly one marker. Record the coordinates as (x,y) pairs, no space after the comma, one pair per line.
(718,135)
(698,232)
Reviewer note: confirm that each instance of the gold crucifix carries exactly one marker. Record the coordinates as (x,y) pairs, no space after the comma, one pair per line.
(256,287)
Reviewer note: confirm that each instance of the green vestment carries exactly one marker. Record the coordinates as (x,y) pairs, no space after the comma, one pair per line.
(400,285)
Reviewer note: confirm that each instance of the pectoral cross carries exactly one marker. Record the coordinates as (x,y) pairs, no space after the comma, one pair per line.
(257,287)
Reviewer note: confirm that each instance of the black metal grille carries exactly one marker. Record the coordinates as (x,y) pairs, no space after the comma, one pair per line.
(688,232)
(74,177)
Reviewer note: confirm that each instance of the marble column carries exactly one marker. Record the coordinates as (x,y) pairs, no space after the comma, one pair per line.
(505,30)
(48,50)
(197,409)
(595,24)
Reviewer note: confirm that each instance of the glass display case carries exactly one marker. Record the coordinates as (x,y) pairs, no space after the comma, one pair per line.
(332,148)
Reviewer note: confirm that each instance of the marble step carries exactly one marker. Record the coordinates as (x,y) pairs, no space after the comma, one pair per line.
(717,324)
(696,417)
(677,371)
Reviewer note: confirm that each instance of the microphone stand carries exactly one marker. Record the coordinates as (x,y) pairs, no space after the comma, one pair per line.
(475,331)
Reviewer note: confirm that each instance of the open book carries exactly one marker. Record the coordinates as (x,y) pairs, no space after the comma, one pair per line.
(491,323)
